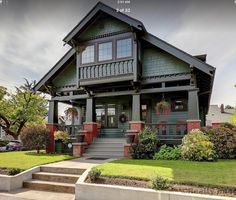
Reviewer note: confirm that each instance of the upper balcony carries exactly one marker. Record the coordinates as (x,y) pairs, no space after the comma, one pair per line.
(116,71)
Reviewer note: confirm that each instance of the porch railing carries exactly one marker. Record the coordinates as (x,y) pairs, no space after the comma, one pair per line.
(72,130)
(106,70)
(169,131)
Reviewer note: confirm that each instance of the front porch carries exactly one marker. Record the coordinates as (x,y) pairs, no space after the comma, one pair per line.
(112,117)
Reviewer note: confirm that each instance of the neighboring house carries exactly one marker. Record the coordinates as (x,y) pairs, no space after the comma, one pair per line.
(2,133)
(116,72)
(219,115)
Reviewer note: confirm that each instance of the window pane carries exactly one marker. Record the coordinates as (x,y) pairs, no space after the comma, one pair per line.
(88,55)
(105,51)
(124,48)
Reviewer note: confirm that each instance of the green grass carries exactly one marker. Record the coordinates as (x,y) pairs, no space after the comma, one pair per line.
(221,173)
(27,159)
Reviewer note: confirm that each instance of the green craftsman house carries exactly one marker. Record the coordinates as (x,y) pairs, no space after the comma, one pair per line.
(121,78)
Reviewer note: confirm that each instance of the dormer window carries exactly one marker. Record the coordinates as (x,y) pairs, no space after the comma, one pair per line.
(105,51)
(88,55)
(123,48)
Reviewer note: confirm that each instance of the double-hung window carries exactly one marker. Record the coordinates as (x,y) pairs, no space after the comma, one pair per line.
(124,48)
(88,55)
(105,51)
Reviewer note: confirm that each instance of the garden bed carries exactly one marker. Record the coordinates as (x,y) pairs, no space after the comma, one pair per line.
(189,188)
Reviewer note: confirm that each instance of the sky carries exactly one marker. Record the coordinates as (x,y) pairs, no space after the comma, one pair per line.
(31,33)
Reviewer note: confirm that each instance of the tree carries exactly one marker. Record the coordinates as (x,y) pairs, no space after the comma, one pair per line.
(23,107)
(35,137)
(233,119)
(3,92)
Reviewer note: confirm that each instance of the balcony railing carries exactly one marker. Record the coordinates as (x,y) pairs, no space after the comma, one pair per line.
(105,70)
(169,131)
(72,130)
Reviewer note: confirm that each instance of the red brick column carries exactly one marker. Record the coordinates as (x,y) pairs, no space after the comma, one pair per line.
(134,128)
(79,148)
(193,124)
(92,131)
(51,147)
(136,125)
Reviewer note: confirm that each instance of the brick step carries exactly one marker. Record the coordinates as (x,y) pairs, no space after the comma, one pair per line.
(56,177)
(49,186)
(62,170)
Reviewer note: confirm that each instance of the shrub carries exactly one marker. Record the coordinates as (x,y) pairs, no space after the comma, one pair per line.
(35,137)
(94,174)
(14,171)
(197,147)
(167,153)
(224,140)
(3,143)
(227,125)
(146,146)
(62,136)
(159,183)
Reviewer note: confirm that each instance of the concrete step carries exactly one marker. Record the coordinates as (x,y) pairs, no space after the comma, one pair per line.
(104,154)
(49,186)
(107,145)
(106,148)
(56,177)
(62,170)
(108,140)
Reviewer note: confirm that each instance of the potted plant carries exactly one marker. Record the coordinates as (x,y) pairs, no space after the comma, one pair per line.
(129,138)
(60,137)
(163,107)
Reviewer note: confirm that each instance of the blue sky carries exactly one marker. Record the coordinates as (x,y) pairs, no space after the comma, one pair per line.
(31,34)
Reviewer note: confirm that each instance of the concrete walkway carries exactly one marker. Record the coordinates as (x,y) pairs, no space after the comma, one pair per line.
(24,193)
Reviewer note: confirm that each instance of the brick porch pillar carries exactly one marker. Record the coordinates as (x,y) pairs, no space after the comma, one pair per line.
(193,124)
(91,129)
(51,147)
(79,148)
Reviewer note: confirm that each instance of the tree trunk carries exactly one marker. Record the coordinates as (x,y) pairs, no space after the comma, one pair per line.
(38,150)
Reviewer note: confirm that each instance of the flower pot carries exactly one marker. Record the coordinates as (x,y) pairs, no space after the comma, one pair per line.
(130,139)
(80,138)
(58,146)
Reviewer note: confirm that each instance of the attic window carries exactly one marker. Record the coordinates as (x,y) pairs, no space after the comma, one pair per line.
(88,55)
(105,51)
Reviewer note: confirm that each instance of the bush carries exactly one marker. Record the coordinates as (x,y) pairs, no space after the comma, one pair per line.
(14,171)
(224,140)
(197,147)
(168,153)
(227,125)
(3,143)
(94,174)
(146,146)
(159,183)
(62,136)
(35,137)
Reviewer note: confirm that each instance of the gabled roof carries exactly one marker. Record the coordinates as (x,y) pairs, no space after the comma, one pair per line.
(55,69)
(100,7)
(196,62)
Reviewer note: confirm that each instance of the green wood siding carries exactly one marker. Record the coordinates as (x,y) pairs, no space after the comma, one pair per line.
(104,26)
(157,62)
(66,77)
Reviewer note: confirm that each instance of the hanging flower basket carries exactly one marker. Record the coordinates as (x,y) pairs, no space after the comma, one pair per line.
(71,112)
(163,107)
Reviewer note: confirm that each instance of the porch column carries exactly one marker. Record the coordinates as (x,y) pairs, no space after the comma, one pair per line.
(52,124)
(89,110)
(90,127)
(136,111)
(193,108)
(193,121)
(53,112)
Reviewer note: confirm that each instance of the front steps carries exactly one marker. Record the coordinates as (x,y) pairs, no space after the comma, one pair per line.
(111,133)
(106,148)
(54,179)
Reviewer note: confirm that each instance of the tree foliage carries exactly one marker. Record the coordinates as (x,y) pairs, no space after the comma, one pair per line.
(23,107)
(35,137)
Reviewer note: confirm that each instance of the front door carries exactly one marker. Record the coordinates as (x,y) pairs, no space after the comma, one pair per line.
(106,115)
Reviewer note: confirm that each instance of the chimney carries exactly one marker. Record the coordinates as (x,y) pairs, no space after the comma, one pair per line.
(222,109)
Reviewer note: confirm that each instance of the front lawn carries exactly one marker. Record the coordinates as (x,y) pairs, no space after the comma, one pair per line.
(27,159)
(221,173)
